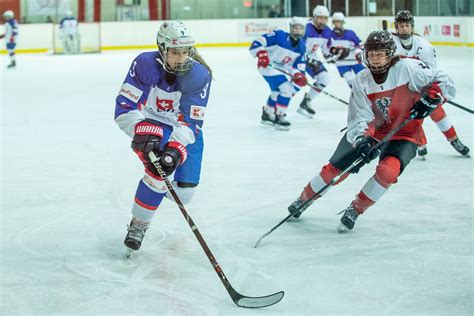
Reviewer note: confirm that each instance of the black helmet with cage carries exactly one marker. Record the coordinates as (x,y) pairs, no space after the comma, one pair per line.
(380,41)
(404,16)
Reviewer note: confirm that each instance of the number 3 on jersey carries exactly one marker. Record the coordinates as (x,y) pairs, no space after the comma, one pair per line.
(204,91)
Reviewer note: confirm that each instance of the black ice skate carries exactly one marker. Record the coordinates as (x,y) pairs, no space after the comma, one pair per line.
(267,118)
(281,123)
(422,152)
(296,205)
(460,147)
(348,219)
(12,64)
(136,232)
(305,108)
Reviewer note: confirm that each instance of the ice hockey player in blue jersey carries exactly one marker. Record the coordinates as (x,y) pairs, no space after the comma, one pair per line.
(317,37)
(161,106)
(285,51)
(345,46)
(11,34)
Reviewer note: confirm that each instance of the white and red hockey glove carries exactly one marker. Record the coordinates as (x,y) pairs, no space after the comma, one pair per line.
(263,59)
(300,79)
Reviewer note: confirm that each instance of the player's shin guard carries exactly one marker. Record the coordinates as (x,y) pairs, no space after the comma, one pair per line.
(386,174)
(328,173)
(184,194)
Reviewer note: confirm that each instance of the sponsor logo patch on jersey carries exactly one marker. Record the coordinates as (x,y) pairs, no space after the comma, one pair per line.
(130,92)
(197,112)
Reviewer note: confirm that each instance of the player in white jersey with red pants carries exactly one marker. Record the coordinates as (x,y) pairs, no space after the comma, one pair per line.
(383,95)
(410,45)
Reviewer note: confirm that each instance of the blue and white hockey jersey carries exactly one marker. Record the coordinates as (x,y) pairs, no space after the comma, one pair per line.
(348,39)
(145,93)
(69,26)
(281,53)
(317,39)
(11,31)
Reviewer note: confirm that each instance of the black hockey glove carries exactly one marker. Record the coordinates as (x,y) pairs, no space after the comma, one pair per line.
(428,102)
(147,138)
(364,146)
(172,156)
(315,64)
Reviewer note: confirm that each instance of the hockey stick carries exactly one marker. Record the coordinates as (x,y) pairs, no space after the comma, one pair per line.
(461,107)
(313,87)
(239,299)
(336,178)
(384,25)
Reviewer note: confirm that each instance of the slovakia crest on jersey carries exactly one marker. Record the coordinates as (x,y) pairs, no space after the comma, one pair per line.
(382,105)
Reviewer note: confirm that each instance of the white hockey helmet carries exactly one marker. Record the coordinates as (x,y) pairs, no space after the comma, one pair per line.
(175,34)
(300,22)
(8,14)
(338,16)
(321,10)
(68,13)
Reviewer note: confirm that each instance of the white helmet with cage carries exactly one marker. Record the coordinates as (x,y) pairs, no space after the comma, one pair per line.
(338,16)
(175,34)
(295,32)
(321,10)
(8,14)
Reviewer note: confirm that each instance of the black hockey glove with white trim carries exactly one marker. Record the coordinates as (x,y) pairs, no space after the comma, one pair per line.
(364,146)
(428,102)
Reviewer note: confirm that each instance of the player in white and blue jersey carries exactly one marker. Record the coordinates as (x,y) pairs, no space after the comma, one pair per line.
(284,51)
(317,38)
(11,34)
(345,45)
(161,107)
(69,30)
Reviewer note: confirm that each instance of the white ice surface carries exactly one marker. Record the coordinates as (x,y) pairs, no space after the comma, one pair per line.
(68,178)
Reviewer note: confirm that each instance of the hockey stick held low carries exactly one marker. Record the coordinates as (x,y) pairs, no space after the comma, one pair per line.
(336,178)
(312,86)
(239,299)
(461,107)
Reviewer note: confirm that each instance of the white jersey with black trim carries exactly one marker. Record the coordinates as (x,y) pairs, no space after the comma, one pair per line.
(420,49)
(375,109)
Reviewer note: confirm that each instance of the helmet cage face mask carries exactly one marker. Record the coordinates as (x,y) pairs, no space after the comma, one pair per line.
(379,69)
(381,42)
(297,28)
(179,69)
(293,31)
(404,36)
(175,35)
(404,16)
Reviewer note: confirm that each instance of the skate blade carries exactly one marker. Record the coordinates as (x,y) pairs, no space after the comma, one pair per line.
(267,123)
(342,229)
(129,252)
(304,113)
(282,128)
(422,158)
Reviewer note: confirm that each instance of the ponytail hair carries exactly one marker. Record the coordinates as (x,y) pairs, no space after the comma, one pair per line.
(197,57)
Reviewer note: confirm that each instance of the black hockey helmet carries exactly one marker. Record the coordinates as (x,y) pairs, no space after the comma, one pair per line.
(404,16)
(379,41)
